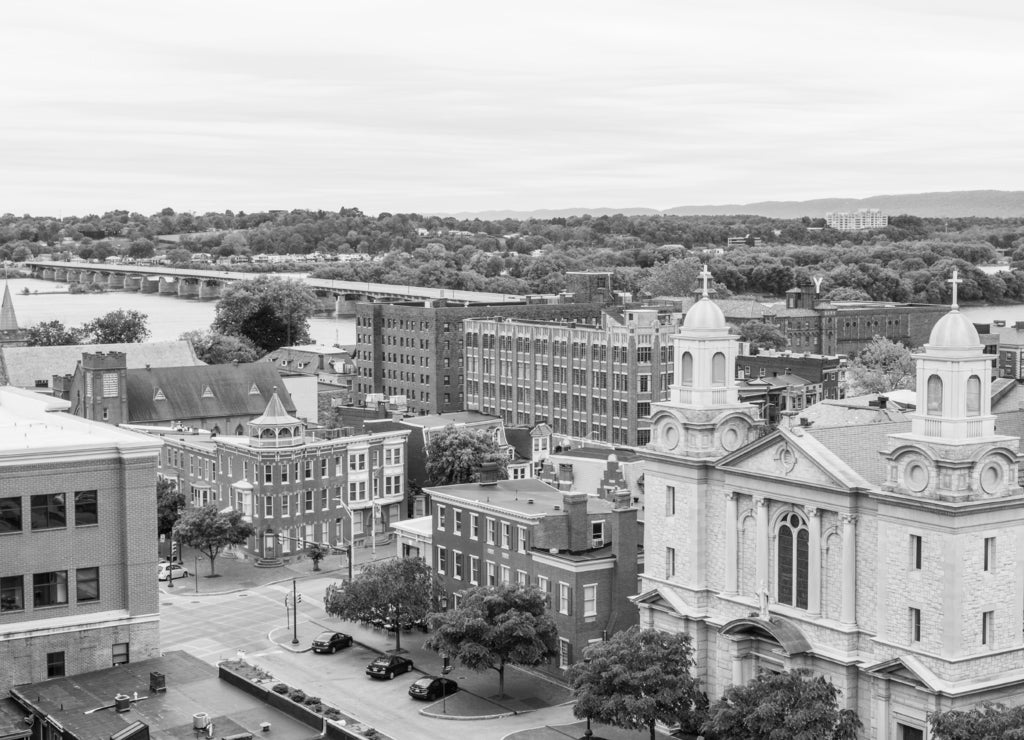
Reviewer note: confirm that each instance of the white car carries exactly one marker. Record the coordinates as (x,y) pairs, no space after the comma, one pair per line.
(164,571)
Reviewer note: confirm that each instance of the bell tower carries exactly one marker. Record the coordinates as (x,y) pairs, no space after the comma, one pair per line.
(703,416)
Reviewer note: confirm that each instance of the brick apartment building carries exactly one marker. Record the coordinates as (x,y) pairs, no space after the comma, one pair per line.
(582,550)
(589,380)
(828,372)
(294,488)
(415,349)
(78,589)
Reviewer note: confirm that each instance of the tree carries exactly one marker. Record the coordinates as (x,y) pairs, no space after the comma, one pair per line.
(677,277)
(882,366)
(169,504)
(178,256)
(793,704)
(402,590)
(215,348)
(116,327)
(987,722)
(454,455)
(494,627)
(316,553)
(51,334)
(208,530)
(846,293)
(638,678)
(270,311)
(763,335)
(141,249)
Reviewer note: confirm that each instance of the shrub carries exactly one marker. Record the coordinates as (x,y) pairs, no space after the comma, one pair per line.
(318,708)
(280,688)
(298,696)
(332,713)
(312,700)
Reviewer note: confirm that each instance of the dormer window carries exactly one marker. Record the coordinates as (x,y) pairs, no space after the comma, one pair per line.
(207,393)
(253,390)
(158,395)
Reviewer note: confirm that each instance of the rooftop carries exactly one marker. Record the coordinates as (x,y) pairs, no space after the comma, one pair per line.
(23,366)
(517,495)
(599,453)
(431,421)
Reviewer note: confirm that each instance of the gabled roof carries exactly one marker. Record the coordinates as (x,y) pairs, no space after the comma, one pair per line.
(858,445)
(23,366)
(183,387)
(8,321)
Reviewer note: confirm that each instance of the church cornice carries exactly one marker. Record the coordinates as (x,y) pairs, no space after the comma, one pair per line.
(950,508)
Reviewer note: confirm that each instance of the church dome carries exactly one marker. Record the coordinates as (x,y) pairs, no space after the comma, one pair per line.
(705,315)
(954,330)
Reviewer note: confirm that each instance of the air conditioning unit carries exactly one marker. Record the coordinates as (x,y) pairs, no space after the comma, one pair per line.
(598,542)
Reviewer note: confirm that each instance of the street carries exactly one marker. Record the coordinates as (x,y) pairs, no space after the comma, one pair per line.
(217,627)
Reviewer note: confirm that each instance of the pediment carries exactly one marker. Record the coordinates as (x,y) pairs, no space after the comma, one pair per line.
(797,458)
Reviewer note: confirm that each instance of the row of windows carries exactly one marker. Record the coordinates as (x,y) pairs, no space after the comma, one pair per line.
(49,511)
(49,589)
(510,540)
(562,348)
(56,662)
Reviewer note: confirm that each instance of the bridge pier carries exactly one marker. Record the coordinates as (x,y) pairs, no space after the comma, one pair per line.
(133,282)
(149,285)
(116,281)
(345,306)
(47,274)
(167,286)
(208,289)
(188,288)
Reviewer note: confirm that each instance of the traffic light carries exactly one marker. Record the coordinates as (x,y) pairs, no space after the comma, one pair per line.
(298,598)
(174,550)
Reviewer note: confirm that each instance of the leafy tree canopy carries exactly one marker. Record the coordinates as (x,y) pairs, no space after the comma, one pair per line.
(987,722)
(455,454)
(638,678)
(215,348)
(882,366)
(209,530)
(120,326)
(169,503)
(494,627)
(52,333)
(793,704)
(401,589)
(763,335)
(269,311)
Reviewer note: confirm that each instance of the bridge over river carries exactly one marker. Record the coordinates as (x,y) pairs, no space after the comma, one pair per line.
(339,296)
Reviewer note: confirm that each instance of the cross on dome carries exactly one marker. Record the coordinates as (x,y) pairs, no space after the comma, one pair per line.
(954,281)
(704,275)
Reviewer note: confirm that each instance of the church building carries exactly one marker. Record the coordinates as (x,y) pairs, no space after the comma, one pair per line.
(888,558)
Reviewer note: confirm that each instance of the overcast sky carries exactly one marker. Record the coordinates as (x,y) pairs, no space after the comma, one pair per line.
(449,106)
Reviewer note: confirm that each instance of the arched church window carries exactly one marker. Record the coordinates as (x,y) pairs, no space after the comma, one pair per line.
(239,431)
(934,398)
(974,396)
(718,369)
(793,562)
(686,369)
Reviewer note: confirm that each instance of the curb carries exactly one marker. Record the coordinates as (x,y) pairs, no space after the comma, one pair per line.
(171,592)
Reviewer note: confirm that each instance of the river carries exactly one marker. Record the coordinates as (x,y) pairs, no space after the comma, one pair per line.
(169,317)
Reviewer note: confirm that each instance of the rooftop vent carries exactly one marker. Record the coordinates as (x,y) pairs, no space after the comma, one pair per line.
(529,501)
(558,507)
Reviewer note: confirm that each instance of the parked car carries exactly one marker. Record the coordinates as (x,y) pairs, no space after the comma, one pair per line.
(388,666)
(165,571)
(331,642)
(432,687)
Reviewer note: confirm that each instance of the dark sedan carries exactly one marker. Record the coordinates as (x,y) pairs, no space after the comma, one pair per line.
(388,666)
(330,642)
(432,687)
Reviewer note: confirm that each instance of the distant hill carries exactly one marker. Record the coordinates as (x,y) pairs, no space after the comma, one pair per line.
(990,203)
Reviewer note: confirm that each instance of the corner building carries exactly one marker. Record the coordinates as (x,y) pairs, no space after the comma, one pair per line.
(78,589)
(888,561)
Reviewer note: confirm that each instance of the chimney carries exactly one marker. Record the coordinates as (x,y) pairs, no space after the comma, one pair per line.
(487,473)
(575,505)
(882,401)
(621,500)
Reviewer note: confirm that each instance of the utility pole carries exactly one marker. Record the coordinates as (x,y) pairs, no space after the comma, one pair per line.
(295,614)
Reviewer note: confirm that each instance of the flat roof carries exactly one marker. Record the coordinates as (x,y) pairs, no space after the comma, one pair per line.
(82,704)
(516,495)
(455,417)
(32,422)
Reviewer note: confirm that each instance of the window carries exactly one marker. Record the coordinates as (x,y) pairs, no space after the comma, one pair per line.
(521,539)
(268,506)
(442,559)
(119,653)
(564,598)
(590,600)
(543,584)
(308,469)
(393,456)
(988,628)
(457,521)
(442,516)
(492,531)
(268,473)
(357,490)
(905,732)
(564,653)
(670,500)
(521,578)
(474,526)
(990,554)
(10,514)
(915,625)
(686,369)
(309,501)
(323,467)
(915,552)
(793,562)
(474,570)
(12,594)
(718,369)
(934,397)
(87,584)
(55,664)
(356,461)
(973,396)
(285,499)
(670,562)
(506,535)
(50,589)
(457,565)
(597,534)
(284,472)
(492,579)
(506,575)
(48,511)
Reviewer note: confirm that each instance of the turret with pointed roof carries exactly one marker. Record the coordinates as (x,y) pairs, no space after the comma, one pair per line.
(11,335)
(276,428)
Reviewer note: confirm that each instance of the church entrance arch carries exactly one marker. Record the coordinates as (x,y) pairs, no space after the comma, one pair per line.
(774,645)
